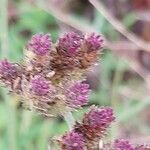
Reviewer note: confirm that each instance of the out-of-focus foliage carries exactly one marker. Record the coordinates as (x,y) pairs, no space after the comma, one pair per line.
(119,86)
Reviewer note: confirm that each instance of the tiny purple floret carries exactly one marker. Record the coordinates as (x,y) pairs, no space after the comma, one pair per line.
(73,141)
(78,94)
(40,44)
(121,144)
(69,44)
(100,117)
(94,42)
(40,86)
(8,70)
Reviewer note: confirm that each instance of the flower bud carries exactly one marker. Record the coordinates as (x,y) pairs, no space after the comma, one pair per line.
(94,42)
(69,44)
(8,71)
(72,141)
(121,144)
(40,44)
(77,94)
(40,86)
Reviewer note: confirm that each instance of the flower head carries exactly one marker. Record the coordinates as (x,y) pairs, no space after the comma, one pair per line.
(40,44)
(73,141)
(94,42)
(77,94)
(95,124)
(40,86)
(99,117)
(8,71)
(122,145)
(69,44)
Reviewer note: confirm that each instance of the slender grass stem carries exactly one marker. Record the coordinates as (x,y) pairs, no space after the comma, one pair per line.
(11,132)
(11,120)
(114,97)
(4,28)
(69,120)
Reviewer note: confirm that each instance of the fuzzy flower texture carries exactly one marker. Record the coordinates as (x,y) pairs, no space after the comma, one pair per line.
(51,80)
(39,86)
(40,44)
(77,94)
(69,44)
(87,134)
(122,145)
(73,141)
(8,71)
(52,74)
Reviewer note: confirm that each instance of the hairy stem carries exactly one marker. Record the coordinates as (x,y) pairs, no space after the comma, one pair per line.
(69,120)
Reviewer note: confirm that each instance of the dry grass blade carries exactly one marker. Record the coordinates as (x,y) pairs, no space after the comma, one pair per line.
(69,20)
(65,18)
(143,15)
(122,45)
(119,27)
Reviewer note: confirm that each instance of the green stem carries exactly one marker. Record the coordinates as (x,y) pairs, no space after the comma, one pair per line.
(69,120)
(114,97)
(11,120)
(11,126)
(49,147)
(68,117)
(4,28)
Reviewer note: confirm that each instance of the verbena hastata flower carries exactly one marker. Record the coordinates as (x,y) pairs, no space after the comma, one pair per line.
(65,58)
(52,74)
(40,44)
(95,124)
(40,86)
(121,144)
(37,52)
(99,117)
(50,81)
(72,141)
(72,55)
(69,44)
(10,75)
(94,42)
(8,71)
(77,94)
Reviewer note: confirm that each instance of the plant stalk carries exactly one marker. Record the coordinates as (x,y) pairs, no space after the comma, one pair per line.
(69,120)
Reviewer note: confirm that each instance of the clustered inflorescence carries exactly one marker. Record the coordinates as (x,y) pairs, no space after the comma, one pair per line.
(92,128)
(51,80)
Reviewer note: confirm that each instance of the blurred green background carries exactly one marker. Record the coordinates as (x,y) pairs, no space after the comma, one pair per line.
(114,81)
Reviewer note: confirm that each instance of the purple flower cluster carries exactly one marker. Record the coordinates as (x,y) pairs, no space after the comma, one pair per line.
(94,42)
(8,70)
(122,144)
(93,126)
(99,118)
(40,86)
(78,94)
(69,44)
(41,80)
(72,141)
(40,44)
